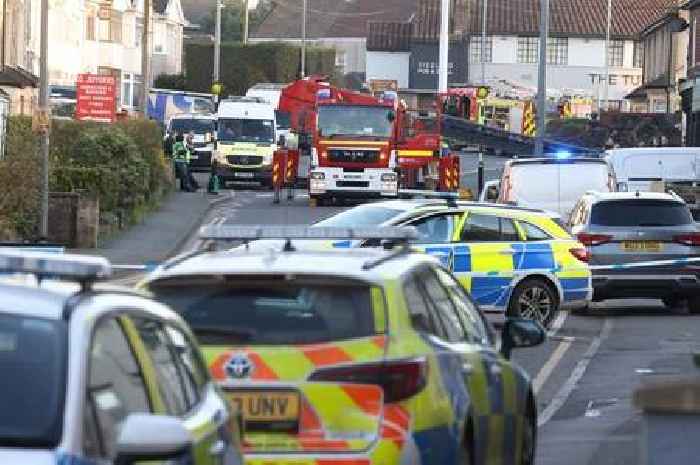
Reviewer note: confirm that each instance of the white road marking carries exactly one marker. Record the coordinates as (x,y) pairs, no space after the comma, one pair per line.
(568,387)
(548,367)
(554,359)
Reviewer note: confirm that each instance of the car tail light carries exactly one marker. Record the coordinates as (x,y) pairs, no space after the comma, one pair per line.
(688,239)
(593,239)
(399,379)
(581,254)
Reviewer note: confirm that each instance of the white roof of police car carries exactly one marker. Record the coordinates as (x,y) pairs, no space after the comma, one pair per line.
(419,205)
(342,263)
(607,196)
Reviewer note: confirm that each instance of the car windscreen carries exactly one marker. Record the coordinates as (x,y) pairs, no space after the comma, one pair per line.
(246,130)
(271,311)
(197,126)
(283,119)
(33,363)
(354,120)
(640,212)
(360,216)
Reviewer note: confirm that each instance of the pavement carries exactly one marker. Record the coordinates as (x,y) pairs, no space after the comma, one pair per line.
(163,232)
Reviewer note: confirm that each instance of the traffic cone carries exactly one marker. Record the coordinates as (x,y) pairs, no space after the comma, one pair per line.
(213,186)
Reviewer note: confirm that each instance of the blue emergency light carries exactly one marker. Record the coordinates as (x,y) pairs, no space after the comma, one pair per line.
(303,232)
(323,94)
(58,266)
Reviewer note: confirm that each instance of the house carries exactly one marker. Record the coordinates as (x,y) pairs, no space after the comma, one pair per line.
(91,36)
(690,88)
(665,45)
(342,25)
(18,85)
(575,47)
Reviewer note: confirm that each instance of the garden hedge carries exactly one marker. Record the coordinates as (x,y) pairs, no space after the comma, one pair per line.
(242,66)
(121,164)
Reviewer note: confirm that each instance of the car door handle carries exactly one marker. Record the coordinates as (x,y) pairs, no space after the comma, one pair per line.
(218,449)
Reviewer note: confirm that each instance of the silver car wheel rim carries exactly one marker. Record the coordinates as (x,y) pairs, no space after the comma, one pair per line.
(535,304)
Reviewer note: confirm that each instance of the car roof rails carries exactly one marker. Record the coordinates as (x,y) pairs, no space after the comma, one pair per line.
(81,269)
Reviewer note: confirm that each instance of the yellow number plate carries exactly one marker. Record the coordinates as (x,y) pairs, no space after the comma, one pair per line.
(641,246)
(266,406)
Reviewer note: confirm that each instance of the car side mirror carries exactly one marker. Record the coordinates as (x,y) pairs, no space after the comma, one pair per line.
(492,193)
(282,141)
(520,333)
(391,116)
(146,437)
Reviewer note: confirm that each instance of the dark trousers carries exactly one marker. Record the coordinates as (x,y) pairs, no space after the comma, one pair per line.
(182,171)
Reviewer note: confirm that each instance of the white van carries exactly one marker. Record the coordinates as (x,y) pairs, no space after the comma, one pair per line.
(246,141)
(271,93)
(637,169)
(553,184)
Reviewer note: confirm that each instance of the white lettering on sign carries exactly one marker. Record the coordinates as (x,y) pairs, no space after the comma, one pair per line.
(432,67)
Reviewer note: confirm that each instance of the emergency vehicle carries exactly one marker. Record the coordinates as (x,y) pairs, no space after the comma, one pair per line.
(101,376)
(246,141)
(363,356)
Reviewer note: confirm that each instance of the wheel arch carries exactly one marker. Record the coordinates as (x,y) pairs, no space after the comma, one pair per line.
(546,277)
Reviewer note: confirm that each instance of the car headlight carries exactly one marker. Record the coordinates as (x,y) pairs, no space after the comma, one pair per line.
(388,177)
(267,159)
(318,176)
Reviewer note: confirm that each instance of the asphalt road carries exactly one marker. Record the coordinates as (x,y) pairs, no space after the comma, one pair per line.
(585,374)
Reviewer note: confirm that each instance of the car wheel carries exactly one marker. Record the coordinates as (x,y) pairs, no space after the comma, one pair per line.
(529,440)
(694,306)
(534,299)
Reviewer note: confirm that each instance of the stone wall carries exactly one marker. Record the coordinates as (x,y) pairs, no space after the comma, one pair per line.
(74,219)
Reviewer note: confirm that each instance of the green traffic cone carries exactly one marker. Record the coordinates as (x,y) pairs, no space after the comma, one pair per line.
(213,187)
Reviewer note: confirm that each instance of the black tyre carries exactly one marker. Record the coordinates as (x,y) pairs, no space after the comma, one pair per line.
(534,299)
(694,305)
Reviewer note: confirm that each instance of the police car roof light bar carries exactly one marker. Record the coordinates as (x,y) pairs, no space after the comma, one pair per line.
(303,232)
(78,268)
(450,197)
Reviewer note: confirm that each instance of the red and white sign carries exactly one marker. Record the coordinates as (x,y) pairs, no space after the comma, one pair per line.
(96,98)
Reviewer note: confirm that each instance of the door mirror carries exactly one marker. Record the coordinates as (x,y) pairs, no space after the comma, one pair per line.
(391,116)
(520,333)
(282,141)
(146,437)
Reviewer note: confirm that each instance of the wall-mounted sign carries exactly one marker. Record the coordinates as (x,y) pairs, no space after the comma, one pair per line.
(96,98)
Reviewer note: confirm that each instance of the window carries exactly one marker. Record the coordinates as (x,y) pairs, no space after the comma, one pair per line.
(421,319)
(616,53)
(638,55)
(475,49)
(90,27)
(267,311)
(116,387)
(103,30)
(138,32)
(533,233)
(170,379)
(340,60)
(115,27)
(488,228)
(436,229)
(127,84)
(474,327)
(528,49)
(443,306)
(557,51)
(642,212)
(508,231)
(159,38)
(194,368)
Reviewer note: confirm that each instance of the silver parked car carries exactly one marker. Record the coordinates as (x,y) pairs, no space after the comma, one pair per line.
(632,227)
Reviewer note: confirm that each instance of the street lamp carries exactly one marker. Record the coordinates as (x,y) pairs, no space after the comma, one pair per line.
(542,78)
(444,44)
(303,40)
(44,112)
(217,42)
(607,57)
(483,41)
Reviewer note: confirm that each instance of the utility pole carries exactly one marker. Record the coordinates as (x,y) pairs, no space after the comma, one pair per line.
(483,41)
(4,33)
(217,42)
(444,45)
(44,112)
(607,56)
(542,78)
(303,41)
(146,56)
(246,22)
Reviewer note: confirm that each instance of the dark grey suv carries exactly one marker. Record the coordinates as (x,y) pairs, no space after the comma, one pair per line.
(630,227)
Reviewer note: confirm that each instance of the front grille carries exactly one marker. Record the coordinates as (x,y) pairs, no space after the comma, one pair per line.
(244,160)
(353,156)
(352,183)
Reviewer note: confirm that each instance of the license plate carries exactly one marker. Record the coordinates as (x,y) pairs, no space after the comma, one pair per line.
(244,175)
(266,406)
(641,246)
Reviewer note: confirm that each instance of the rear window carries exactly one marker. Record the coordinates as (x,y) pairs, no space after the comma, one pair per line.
(33,361)
(360,216)
(272,311)
(640,213)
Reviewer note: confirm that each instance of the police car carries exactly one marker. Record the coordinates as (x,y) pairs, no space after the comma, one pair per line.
(96,376)
(512,260)
(362,356)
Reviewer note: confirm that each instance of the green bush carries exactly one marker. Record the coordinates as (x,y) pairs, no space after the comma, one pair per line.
(121,164)
(170,81)
(242,66)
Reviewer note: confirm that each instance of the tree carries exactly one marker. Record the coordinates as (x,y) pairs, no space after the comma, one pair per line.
(231,21)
